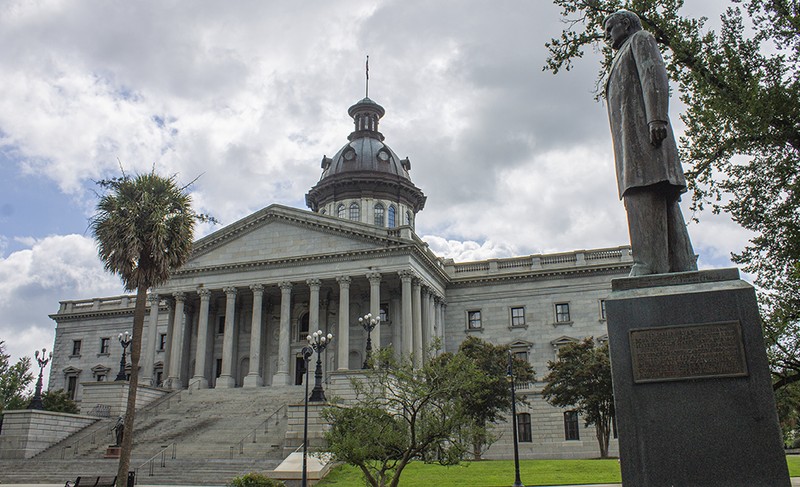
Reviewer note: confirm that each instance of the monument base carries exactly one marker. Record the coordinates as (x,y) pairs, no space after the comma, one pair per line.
(113,452)
(692,389)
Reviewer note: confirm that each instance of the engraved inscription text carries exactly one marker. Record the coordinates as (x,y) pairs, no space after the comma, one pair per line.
(687,352)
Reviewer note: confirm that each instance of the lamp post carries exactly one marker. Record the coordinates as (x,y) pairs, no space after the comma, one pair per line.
(369,323)
(125,339)
(307,352)
(510,378)
(318,341)
(36,402)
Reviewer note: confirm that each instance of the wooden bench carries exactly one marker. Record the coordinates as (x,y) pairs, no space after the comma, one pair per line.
(93,481)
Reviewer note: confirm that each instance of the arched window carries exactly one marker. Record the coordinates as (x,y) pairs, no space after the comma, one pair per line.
(409,219)
(355,212)
(392,219)
(340,210)
(379,220)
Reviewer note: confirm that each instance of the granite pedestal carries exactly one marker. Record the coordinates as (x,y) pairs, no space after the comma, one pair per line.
(693,394)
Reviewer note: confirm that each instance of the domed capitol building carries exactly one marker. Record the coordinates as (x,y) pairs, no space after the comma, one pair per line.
(235,317)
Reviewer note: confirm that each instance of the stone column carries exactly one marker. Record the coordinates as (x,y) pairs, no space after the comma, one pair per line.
(408,330)
(396,312)
(437,311)
(416,301)
(201,355)
(425,316)
(431,328)
(168,341)
(313,305)
(254,377)
(343,340)
(226,378)
(375,307)
(149,353)
(281,376)
(177,342)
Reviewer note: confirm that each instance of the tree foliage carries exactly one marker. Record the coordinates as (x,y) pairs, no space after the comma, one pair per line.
(581,379)
(488,395)
(144,229)
(741,147)
(14,381)
(402,414)
(58,401)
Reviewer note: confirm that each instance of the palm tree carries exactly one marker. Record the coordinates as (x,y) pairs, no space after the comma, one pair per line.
(144,228)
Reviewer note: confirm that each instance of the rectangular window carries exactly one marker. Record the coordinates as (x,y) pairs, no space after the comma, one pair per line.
(159,378)
(72,386)
(602,309)
(384,313)
(219,368)
(562,313)
(474,320)
(521,355)
(517,316)
(571,430)
(524,428)
(221,324)
(76,347)
(162,341)
(101,377)
(104,344)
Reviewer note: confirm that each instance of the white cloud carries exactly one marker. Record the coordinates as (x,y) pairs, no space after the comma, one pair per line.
(33,280)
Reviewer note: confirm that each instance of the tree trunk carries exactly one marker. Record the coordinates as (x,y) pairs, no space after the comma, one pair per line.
(603,432)
(130,408)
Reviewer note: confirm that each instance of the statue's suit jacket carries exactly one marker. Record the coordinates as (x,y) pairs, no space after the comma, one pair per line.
(637,92)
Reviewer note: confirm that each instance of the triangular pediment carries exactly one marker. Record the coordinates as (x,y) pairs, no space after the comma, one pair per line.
(279,233)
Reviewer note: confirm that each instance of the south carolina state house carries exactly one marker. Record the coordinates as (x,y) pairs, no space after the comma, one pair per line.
(237,314)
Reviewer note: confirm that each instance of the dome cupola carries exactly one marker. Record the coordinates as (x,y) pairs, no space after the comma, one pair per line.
(366,180)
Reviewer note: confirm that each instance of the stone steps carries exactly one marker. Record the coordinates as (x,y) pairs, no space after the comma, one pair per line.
(208,427)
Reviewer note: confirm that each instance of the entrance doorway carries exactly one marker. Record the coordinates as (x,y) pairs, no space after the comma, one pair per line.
(299,370)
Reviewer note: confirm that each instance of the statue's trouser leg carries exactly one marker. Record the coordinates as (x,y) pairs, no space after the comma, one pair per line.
(681,253)
(647,226)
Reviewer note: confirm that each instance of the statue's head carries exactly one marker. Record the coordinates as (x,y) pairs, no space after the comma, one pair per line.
(619,26)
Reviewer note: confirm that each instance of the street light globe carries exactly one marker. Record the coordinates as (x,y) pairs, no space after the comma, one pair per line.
(330,337)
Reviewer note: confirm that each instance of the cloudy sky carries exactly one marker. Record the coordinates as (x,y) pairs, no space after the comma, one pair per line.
(250,95)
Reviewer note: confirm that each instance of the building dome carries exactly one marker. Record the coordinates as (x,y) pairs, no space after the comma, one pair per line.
(368,173)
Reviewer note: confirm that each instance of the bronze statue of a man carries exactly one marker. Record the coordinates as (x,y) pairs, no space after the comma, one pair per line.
(649,173)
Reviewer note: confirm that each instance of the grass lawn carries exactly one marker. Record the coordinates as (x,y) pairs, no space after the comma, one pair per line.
(500,473)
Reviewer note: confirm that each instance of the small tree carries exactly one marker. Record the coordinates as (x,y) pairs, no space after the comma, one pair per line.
(144,228)
(14,381)
(488,395)
(59,401)
(581,378)
(402,414)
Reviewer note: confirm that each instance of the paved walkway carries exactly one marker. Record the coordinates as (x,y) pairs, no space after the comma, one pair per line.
(795,483)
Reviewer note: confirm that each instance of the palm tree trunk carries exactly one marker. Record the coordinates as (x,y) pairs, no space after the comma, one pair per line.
(130,408)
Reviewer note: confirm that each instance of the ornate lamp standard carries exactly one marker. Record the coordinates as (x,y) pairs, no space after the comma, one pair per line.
(36,402)
(369,323)
(317,342)
(124,340)
(510,378)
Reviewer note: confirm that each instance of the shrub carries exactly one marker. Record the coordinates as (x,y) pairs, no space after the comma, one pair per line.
(254,479)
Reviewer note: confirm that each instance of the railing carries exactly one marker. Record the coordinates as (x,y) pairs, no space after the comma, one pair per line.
(535,262)
(254,433)
(189,387)
(90,437)
(159,405)
(150,462)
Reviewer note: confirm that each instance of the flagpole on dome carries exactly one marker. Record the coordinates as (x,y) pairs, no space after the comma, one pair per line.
(367,72)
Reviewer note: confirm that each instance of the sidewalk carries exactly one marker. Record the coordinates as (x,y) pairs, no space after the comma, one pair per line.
(795,483)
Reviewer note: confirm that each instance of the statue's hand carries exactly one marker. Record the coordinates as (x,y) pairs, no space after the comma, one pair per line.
(658,132)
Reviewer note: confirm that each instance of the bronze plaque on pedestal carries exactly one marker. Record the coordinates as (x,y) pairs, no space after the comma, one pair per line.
(687,352)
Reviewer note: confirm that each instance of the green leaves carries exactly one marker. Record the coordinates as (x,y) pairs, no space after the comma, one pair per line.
(581,380)
(14,380)
(144,228)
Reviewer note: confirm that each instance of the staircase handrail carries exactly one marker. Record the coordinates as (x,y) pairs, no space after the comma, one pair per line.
(189,387)
(252,433)
(150,461)
(75,443)
(153,406)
